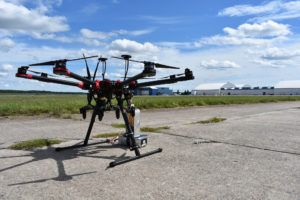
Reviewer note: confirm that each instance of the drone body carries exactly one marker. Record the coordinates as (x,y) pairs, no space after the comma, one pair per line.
(102,92)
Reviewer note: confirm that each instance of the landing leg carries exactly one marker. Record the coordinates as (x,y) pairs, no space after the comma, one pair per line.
(86,140)
(133,146)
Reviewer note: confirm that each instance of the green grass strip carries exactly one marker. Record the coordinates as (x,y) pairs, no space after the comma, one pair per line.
(35,143)
(211,120)
(118,125)
(64,105)
(154,129)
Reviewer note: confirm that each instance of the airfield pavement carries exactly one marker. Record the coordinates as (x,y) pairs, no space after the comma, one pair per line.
(254,154)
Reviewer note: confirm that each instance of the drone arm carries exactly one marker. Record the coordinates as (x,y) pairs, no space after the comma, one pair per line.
(134,78)
(78,77)
(173,79)
(146,73)
(51,80)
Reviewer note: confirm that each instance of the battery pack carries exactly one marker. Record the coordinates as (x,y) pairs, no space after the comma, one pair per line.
(141,140)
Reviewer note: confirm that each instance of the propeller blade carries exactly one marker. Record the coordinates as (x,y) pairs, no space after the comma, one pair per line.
(87,67)
(81,58)
(157,65)
(128,59)
(35,72)
(53,62)
(117,57)
(41,73)
(173,75)
(139,78)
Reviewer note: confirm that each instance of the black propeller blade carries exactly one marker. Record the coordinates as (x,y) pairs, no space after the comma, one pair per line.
(53,62)
(139,78)
(157,65)
(173,75)
(41,73)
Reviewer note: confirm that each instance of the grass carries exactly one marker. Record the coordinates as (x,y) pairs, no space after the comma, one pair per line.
(107,135)
(35,143)
(118,125)
(63,105)
(211,120)
(154,129)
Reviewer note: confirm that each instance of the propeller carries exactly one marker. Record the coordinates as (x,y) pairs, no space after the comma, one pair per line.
(139,78)
(41,73)
(173,75)
(157,65)
(53,62)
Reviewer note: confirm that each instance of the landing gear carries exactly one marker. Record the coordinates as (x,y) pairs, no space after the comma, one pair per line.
(131,144)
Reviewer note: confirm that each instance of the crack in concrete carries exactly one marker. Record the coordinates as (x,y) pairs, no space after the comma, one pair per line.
(210,141)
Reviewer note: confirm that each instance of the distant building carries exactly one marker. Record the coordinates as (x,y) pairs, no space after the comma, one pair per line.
(209,89)
(213,89)
(153,91)
(288,88)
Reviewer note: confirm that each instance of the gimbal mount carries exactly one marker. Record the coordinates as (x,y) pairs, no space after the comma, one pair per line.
(103,91)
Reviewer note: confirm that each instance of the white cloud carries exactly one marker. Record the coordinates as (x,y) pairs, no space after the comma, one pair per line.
(131,46)
(21,20)
(6,44)
(275,10)
(96,38)
(219,65)
(87,33)
(258,34)
(275,53)
(5,69)
(91,8)
(264,29)
(162,19)
(269,63)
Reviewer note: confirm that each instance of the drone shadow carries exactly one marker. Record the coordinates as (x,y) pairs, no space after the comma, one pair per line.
(60,157)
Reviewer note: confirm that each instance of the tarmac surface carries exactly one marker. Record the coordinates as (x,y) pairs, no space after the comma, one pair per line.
(253,154)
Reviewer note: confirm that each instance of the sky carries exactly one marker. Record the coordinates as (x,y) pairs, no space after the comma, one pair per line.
(244,42)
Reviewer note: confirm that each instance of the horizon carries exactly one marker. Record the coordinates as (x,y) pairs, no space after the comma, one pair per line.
(254,43)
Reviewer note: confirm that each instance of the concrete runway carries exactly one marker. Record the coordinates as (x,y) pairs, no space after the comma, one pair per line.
(254,154)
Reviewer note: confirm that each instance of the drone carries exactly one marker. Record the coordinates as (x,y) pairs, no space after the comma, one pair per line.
(102,94)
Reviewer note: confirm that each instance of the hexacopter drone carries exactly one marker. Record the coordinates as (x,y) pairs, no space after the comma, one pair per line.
(102,92)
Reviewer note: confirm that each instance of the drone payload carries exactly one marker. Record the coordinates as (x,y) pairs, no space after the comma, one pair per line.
(101,93)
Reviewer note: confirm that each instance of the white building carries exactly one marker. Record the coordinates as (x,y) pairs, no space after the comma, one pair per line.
(288,88)
(213,89)
(209,89)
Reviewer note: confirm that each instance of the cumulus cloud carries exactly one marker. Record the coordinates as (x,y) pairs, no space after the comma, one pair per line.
(131,46)
(16,18)
(97,38)
(258,34)
(265,29)
(5,69)
(275,53)
(6,44)
(219,65)
(87,33)
(275,10)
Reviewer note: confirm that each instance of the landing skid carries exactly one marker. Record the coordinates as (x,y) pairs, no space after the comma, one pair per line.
(130,135)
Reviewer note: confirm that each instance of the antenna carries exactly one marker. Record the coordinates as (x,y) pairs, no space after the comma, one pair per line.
(87,67)
(126,58)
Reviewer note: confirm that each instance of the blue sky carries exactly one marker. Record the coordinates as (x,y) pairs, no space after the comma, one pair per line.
(245,42)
